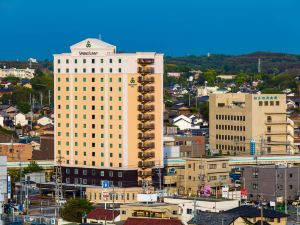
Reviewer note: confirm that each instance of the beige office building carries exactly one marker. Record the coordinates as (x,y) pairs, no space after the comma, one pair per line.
(108,112)
(237,118)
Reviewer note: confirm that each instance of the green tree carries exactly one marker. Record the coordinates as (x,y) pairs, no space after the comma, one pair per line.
(240,78)
(204,110)
(74,209)
(210,76)
(33,167)
(23,107)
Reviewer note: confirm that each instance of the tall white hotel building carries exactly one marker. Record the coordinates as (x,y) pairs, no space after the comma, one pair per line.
(108,114)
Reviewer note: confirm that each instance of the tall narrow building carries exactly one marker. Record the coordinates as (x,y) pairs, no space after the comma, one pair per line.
(108,114)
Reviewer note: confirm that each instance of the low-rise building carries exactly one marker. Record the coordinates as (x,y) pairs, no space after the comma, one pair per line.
(20,119)
(268,182)
(44,121)
(115,195)
(203,176)
(151,221)
(150,210)
(16,152)
(20,73)
(188,205)
(103,216)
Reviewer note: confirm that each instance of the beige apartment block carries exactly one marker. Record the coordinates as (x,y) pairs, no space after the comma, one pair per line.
(109,108)
(237,118)
(200,172)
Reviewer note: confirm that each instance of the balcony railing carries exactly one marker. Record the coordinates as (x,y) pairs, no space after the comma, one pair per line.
(146,108)
(142,164)
(145,117)
(146,80)
(146,89)
(146,146)
(145,99)
(145,61)
(146,155)
(145,137)
(145,70)
(145,173)
(145,127)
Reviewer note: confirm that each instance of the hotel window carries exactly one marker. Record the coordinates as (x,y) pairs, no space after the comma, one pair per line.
(84,60)
(93,79)
(58,70)
(101,60)
(271,103)
(93,116)
(101,79)
(266,103)
(93,108)
(59,133)
(110,60)
(84,88)
(111,174)
(58,61)
(67,61)
(110,89)
(101,88)
(67,70)
(84,162)
(84,98)
(93,88)
(101,71)
(93,126)
(102,145)
(120,89)
(260,103)
(58,97)
(93,70)
(101,107)
(84,135)
(93,61)
(75,72)
(84,107)
(110,107)
(76,144)
(75,88)
(76,107)
(93,98)
(120,60)
(84,144)
(277,102)
(84,116)
(120,70)
(110,70)
(84,70)
(120,99)
(75,61)
(110,145)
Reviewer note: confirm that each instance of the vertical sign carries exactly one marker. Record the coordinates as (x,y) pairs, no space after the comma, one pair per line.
(252,147)
(8,187)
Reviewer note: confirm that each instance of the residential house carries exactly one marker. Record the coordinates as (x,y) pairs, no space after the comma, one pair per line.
(183,122)
(103,216)
(44,121)
(151,221)
(20,119)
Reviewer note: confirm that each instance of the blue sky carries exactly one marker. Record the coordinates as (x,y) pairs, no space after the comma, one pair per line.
(40,28)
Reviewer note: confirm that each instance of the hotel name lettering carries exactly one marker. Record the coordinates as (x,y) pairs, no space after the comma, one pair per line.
(265,97)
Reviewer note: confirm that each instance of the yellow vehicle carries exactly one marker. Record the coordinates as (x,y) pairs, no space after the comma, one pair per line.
(296,203)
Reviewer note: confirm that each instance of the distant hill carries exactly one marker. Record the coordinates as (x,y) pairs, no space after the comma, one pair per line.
(271,63)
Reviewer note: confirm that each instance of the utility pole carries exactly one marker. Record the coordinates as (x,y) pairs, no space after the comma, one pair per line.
(285,192)
(58,186)
(49,97)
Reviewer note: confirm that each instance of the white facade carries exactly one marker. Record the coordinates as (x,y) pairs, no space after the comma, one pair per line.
(20,73)
(205,91)
(182,122)
(44,121)
(20,118)
(1,121)
(187,206)
(37,177)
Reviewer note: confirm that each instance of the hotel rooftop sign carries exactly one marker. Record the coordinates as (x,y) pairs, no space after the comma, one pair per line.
(265,97)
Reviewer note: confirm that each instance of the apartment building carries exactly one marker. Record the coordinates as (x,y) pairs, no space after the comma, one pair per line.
(236,119)
(20,73)
(271,182)
(198,173)
(108,114)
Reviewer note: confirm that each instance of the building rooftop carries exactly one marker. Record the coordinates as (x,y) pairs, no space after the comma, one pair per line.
(146,221)
(249,212)
(103,214)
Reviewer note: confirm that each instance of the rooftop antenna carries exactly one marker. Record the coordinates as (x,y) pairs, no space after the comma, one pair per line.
(259,66)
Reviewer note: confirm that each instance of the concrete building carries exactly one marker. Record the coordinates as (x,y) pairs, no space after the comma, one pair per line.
(268,182)
(235,119)
(20,73)
(44,121)
(188,205)
(150,210)
(16,152)
(197,174)
(184,146)
(116,195)
(109,110)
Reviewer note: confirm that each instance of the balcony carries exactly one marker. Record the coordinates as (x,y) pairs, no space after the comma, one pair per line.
(146,146)
(142,164)
(146,117)
(146,127)
(146,80)
(145,61)
(279,133)
(146,89)
(270,122)
(278,142)
(148,155)
(145,99)
(146,137)
(146,108)
(145,174)
(145,70)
